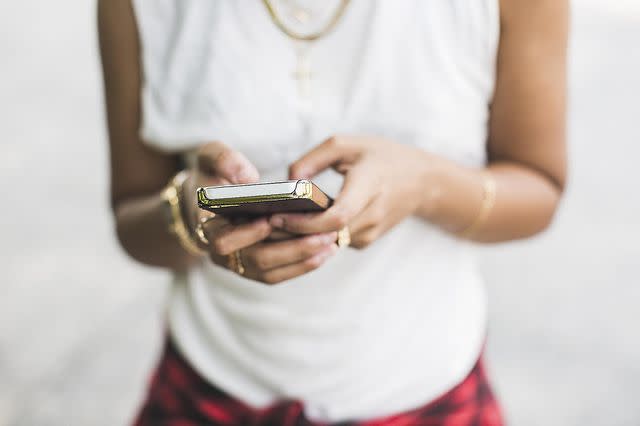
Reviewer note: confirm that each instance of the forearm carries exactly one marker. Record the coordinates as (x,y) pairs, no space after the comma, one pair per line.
(525,200)
(143,231)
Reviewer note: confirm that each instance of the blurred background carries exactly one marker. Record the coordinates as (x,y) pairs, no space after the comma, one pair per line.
(80,324)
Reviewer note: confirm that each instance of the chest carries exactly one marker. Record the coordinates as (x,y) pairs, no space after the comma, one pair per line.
(418,72)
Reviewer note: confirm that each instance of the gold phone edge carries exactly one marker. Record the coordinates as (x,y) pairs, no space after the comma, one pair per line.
(303,189)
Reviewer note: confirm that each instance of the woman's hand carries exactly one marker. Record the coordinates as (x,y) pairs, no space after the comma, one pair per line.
(264,259)
(384,183)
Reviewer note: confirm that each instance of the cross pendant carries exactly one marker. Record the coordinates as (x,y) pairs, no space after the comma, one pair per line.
(303,74)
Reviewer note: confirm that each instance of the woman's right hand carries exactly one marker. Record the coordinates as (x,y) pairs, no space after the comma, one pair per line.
(264,259)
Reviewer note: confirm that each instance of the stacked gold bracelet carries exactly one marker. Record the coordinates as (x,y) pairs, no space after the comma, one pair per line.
(177,225)
(488,202)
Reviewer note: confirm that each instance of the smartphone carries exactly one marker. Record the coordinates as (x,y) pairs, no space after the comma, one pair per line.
(259,199)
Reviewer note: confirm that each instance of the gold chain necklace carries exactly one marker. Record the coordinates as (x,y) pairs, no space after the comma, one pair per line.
(308,37)
(303,72)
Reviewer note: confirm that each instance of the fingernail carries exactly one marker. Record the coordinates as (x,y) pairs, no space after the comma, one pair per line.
(241,177)
(330,251)
(277,221)
(263,222)
(301,174)
(319,240)
(330,238)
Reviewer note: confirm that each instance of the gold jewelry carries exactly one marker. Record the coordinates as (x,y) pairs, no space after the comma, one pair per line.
(235,262)
(310,37)
(489,190)
(199,231)
(303,73)
(344,237)
(177,226)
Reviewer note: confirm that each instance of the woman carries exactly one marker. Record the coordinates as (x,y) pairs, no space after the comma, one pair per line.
(446,121)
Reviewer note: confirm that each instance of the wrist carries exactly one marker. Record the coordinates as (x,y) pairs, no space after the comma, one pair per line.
(187,195)
(433,175)
(173,196)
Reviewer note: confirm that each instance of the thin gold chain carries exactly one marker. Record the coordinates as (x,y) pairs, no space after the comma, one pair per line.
(310,37)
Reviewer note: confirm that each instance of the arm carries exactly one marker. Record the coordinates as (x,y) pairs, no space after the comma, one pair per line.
(526,145)
(385,181)
(139,173)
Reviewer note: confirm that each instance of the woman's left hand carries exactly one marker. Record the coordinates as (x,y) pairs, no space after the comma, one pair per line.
(384,182)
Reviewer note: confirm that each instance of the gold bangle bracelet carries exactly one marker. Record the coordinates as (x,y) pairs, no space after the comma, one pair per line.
(489,190)
(177,225)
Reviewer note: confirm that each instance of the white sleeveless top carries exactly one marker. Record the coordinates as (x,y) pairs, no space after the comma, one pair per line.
(372,332)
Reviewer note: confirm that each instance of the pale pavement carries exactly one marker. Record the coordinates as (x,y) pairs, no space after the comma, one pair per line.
(80,324)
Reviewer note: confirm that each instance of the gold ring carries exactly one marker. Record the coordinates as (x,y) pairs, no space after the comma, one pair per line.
(235,263)
(344,237)
(202,237)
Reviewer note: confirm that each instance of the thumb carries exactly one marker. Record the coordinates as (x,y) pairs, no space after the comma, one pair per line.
(217,160)
(330,153)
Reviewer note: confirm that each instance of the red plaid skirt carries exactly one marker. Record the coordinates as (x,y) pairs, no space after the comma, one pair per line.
(178,396)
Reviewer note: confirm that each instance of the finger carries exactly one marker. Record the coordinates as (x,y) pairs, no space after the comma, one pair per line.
(217,159)
(205,179)
(352,200)
(358,192)
(279,235)
(288,272)
(212,226)
(365,237)
(230,238)
(268,256)
(373,216)
(332,151)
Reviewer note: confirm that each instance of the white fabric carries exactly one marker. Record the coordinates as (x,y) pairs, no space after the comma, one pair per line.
(371,332)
